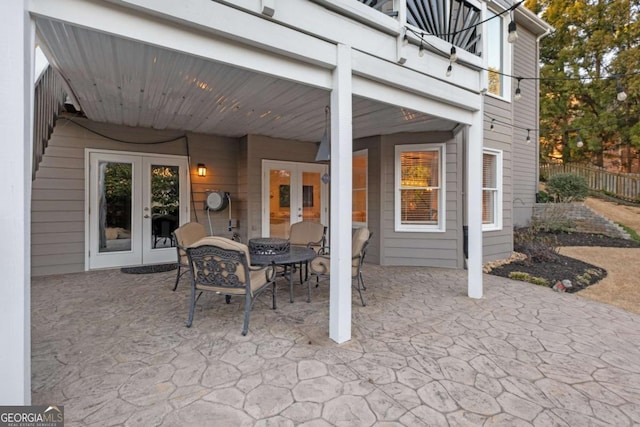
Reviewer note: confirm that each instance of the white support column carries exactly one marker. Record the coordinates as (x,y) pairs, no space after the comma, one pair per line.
(474,143)
(16,88)
(341,152)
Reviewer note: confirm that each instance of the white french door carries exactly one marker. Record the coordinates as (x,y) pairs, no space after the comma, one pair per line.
(292,192)
(135,202)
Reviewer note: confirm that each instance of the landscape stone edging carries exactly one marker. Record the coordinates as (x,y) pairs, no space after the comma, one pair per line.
(583,218)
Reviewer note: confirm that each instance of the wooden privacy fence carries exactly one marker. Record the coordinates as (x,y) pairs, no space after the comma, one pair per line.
(622,185)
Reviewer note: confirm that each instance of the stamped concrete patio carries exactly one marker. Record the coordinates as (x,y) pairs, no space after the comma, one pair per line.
(114,350)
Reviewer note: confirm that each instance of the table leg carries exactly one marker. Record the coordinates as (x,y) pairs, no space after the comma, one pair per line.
(291,283)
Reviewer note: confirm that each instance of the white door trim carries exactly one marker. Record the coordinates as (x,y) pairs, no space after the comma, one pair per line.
(185,185)
(297,168)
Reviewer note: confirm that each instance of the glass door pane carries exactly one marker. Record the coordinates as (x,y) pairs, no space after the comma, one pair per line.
(311,206)
(279,203)
(165,204)
(115,189)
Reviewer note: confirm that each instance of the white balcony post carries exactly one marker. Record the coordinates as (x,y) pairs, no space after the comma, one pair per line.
(16,88)
(400,6)
(341,152)
(474,205)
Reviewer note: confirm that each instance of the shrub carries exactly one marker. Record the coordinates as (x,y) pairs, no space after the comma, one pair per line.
(567,187)
(526,277)
(543,197)
(555,224)
(537,248)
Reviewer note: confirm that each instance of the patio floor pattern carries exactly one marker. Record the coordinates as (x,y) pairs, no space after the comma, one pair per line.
(114,350)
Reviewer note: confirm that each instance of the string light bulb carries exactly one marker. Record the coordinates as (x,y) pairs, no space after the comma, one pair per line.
(513,32)
(421,50)
(405,39)
(449,70)
(579,142)
(528,140)
(518,93)
(454,54)
(621,95)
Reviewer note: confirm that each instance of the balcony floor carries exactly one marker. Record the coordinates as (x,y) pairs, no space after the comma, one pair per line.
(113,349)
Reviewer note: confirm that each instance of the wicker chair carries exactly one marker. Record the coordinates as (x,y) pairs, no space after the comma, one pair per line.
(320,266)
(184,236)
(223,266)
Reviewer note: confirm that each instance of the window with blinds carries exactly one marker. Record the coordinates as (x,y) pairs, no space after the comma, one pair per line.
(491,189)
(419,192)
(359,186)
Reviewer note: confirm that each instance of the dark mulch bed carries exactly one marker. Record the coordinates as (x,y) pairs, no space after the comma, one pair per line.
(580,273)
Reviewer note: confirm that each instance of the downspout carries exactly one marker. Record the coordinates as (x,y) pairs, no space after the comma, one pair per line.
(540,37)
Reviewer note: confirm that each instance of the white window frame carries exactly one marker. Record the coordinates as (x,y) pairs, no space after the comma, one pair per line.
(497,224)
(358,224)
(507,50)
(440,227)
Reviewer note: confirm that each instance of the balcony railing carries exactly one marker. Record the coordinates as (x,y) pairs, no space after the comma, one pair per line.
(451,20)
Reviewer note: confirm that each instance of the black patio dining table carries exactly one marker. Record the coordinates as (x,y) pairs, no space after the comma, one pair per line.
(294,255)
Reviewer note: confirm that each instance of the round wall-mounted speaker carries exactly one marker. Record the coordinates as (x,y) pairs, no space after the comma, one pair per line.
(217,200)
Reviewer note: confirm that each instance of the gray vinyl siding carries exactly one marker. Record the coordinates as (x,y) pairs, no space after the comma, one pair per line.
(264,148)
(525,156)
(520,160)
(58,196)
(498,244)
(428,249)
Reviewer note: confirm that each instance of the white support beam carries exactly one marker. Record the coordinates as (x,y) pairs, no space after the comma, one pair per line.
(474,141)
(16,88)
(449,91)
(290,55)
(341,154)
(395,96)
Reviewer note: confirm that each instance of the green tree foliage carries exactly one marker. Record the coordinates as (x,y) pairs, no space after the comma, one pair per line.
(594,40)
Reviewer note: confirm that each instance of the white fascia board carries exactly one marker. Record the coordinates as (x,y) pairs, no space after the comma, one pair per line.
(106,18)
(236,24)
(389,74)
(394,96)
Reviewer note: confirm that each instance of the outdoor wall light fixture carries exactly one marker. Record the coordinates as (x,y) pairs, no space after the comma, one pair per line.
(202,169)
(579,142)
(528,140)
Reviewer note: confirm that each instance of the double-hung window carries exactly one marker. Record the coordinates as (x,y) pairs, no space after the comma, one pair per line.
(498,55)
(419,187)
(491,189)
(359,192)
